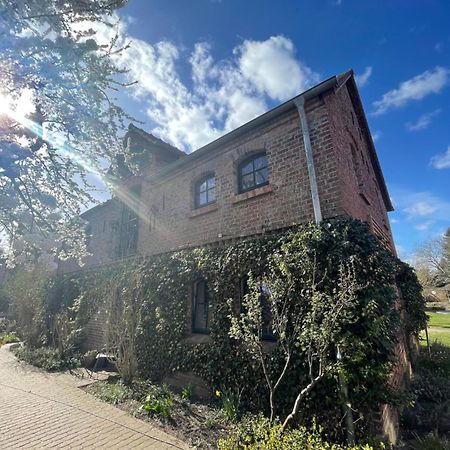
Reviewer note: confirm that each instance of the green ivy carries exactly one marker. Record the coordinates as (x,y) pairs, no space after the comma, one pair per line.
(159,287)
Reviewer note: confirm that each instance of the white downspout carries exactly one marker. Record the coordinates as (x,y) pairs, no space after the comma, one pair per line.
(300,104)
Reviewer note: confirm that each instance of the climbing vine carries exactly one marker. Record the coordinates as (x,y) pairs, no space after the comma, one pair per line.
(159,288)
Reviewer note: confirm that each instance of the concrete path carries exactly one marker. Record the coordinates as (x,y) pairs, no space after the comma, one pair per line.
(39,410)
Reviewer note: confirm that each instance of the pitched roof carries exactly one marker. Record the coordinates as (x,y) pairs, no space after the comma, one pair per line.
(154,141)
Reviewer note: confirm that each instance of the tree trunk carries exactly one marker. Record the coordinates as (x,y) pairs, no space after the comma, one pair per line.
(300,397)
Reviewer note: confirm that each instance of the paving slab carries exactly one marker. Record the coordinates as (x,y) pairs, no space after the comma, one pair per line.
(40,410)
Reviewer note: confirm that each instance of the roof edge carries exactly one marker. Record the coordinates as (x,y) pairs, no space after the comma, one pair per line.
(316,90)
(373,153)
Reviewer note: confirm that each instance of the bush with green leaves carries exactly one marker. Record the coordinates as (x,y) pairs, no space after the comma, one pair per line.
(430,442)
(159,401)
(47,358)
(8,338)
(259,433)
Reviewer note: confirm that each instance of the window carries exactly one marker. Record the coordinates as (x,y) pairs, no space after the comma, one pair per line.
(253,172)
(267,332)
(200,308)
(130,225)
(205,191)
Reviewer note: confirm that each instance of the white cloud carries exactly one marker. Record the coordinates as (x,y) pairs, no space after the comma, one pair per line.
(416,88)
(441,160)
(272,67)
(421,205)
(424,225)
(423,121)
(420,208)
(222,94)
(362,79)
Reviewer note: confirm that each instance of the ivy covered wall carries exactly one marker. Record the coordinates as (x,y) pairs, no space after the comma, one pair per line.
(155,295)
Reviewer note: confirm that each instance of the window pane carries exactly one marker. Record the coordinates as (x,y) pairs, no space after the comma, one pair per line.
(247,181)
(261,176)
(203,186)
(211,182)
(248,168)
(211,194)
(201,307)
(203,198)
(261,162)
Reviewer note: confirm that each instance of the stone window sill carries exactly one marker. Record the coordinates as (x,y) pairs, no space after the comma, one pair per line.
(253,193)
(204,210)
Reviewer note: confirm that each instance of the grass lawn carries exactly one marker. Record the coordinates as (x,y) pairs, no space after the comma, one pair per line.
(438,328)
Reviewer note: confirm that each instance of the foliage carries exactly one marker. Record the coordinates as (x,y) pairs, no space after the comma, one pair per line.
(47,358)
(60,120)
(159,400)
(231,402)
(258,433)
(340,251)
(121,334)
(186,394)
(303,316)
(26,289)
(431,442)
(429,416)
(433,261)
(414,301)
(8,338)
(115,391)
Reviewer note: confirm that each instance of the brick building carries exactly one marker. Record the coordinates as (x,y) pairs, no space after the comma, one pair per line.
(310,158)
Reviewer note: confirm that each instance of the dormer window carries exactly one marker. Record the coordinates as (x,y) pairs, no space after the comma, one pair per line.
(205,191)
(253,172)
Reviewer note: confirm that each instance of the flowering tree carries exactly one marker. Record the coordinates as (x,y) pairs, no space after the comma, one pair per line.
(59,122)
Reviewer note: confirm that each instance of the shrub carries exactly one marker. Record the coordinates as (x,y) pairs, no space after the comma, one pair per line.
(431,442)
(8,338)
(186,394)
(110,392)
(159,401)
(257,433)
(115,391)
(231,402)
(47,358)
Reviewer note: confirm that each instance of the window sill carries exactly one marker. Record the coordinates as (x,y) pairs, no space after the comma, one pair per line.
(204,210)
(267,189)
(197,338)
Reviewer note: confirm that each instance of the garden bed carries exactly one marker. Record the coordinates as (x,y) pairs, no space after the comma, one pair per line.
(199,424)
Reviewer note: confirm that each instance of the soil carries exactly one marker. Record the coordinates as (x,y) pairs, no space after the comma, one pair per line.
(198,424)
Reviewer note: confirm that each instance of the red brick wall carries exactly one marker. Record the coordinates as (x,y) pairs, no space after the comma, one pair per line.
(359,190)
(104,227)
(169,219)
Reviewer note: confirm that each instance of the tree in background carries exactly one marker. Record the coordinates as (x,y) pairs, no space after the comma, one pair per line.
(59,121)
(432,263)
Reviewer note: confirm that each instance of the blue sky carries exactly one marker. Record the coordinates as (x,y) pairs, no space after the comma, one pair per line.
(207,66)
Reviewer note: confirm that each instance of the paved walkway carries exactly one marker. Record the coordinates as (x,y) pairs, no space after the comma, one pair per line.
(39,410)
